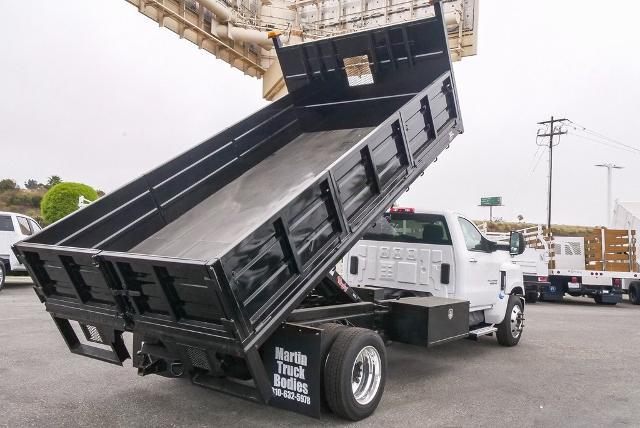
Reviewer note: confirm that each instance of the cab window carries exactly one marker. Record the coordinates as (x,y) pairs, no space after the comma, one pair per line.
(35,227)
(24,226)
(6,224)
(412,228)
(472,236)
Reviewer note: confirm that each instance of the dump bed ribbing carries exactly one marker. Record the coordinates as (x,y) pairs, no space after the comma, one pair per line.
(218,246)
(213,226)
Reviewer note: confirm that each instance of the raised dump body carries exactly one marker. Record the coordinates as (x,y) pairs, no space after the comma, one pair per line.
(212,251)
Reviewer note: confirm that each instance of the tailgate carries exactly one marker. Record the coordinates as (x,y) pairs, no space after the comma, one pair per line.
(112,293)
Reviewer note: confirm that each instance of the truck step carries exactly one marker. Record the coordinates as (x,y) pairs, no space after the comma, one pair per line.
(482,331)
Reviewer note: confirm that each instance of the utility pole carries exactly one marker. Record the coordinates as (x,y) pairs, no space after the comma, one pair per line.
(610,167)
(552,132)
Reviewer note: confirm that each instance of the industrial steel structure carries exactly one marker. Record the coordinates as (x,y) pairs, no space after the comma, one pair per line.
(237,31)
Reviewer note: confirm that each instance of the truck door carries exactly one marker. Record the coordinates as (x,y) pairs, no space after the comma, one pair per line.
(480,267)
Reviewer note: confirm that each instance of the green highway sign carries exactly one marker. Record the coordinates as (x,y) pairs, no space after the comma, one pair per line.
(491,201)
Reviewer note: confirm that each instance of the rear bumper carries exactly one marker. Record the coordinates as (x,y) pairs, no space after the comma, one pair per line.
(607,293)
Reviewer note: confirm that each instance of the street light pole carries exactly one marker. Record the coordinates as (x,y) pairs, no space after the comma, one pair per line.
(610,167)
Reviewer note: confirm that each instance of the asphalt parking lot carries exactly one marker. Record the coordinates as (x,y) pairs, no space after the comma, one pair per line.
(575,366)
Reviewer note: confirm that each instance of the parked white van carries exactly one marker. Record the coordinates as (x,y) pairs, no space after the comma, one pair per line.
(14,227)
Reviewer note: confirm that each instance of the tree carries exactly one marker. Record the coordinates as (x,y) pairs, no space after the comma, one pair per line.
(32,184)
(62,199)
(53,180)
(8,184)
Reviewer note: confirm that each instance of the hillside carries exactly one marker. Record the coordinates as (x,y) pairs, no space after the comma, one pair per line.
(25,200)
(557,229)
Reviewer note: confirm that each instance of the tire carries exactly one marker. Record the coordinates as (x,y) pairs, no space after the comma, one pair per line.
(353,349)
(3,275)
(510,329)
(634,293)
(330,332)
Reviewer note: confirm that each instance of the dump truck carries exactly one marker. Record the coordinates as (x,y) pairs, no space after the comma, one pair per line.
(221,261)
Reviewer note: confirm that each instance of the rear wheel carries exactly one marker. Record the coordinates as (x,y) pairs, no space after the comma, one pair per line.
(355,373)
(510,329)
(3,275)
(634,293)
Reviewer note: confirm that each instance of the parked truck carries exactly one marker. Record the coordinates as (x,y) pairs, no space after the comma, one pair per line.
(220,262)
(601,265)
(534,261)
(14,227)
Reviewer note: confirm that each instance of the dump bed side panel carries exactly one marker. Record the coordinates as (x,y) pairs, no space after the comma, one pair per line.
(280,262)
(125,217)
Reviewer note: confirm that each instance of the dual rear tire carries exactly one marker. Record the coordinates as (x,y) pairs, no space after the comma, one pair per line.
(355,372)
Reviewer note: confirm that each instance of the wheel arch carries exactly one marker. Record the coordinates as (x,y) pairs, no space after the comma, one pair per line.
(517,290)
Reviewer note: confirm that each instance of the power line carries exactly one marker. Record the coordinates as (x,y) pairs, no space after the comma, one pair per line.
(603,136)
(537,159)
(628,149)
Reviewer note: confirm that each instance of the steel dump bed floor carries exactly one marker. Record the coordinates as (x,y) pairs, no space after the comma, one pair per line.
(213,227)
(215,248)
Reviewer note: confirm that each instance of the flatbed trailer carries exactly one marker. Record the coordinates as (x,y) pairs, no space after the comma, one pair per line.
(219,261)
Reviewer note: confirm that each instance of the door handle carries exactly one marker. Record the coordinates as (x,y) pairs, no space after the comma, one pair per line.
(473,261)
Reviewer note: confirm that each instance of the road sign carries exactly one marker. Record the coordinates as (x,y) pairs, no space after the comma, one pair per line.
(491,201)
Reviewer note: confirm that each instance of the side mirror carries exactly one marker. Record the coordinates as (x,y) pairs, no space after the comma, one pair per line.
(517,244)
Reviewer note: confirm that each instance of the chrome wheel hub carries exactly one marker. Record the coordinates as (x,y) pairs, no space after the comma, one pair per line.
(366,374)
(516,321)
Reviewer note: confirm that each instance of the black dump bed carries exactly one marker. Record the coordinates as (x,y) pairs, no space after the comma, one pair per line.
(220,244)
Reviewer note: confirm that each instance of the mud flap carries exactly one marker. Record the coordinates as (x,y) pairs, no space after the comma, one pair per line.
(292,358)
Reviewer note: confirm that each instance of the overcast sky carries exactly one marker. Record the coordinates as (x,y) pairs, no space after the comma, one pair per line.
(95,92)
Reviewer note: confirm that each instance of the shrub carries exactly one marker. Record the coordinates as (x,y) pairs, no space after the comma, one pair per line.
(62,199)
(7,184)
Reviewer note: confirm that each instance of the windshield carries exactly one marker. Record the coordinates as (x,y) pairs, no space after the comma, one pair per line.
(409,227)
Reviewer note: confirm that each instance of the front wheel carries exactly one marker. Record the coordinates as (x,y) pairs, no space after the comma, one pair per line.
(3,275)
(510,329)
(355,373)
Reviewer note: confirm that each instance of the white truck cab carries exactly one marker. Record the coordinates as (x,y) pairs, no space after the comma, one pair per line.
(442,253)
(14,227)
